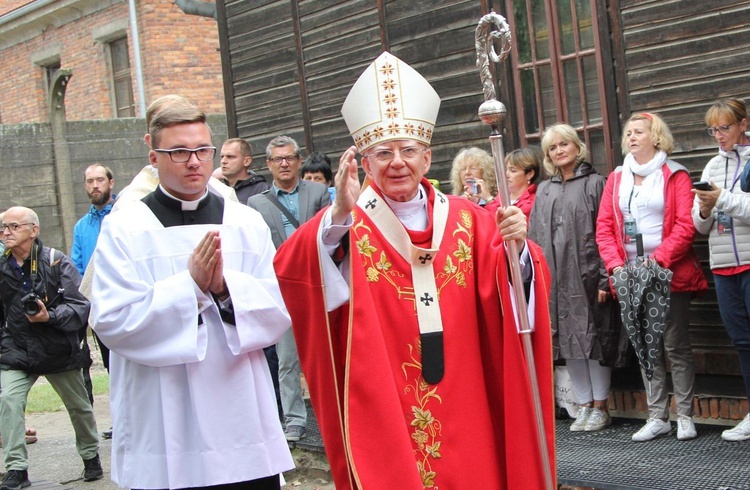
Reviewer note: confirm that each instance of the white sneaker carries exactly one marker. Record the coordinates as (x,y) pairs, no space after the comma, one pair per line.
(685,428)
(652,429)
(598,419)
(580,422)
(740,432)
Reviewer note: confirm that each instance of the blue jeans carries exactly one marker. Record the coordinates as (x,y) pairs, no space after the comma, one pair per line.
(733,293)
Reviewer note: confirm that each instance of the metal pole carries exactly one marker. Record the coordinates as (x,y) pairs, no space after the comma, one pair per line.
(492,113)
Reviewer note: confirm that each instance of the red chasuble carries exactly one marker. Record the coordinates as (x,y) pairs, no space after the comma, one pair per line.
(383,426)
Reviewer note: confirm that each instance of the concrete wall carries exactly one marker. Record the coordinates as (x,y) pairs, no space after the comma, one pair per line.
(27,164)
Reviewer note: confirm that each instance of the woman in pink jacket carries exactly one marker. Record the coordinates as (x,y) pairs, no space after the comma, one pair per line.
(652,195)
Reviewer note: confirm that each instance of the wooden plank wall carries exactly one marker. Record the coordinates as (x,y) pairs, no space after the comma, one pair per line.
(679,57)
(276,91)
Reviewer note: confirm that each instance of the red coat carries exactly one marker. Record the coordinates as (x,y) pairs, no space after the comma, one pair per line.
(525,201)
(676,249)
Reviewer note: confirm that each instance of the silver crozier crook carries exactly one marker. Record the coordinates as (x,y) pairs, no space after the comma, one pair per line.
(492,112)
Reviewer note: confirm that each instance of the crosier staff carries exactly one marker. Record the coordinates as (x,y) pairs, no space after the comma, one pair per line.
(492,112)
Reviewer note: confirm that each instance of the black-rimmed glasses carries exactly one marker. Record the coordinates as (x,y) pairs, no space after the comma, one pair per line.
(291,159)
(182,155)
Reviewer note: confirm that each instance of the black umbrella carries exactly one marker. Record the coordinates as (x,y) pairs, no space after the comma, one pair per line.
(643,291)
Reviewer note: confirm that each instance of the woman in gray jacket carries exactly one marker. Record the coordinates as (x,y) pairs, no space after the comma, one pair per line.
(586,331)
(723,213)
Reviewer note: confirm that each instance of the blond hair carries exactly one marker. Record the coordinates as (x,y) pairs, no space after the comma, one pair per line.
(734,109)
(171,110)
(479,157)
(566,133)
(660,133)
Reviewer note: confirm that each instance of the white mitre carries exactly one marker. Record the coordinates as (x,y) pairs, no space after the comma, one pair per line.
(390,101)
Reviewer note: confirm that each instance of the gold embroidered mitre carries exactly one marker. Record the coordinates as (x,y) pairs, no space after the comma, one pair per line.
(390,101)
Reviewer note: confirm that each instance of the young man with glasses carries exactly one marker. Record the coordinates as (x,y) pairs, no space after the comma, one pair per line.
(290,202)
(40,338)
(186,299)
(401,307)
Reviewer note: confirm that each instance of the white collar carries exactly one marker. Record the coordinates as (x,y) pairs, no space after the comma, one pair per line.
(186,205)
(412,213)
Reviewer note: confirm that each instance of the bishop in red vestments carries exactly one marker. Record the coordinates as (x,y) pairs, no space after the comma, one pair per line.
(403,316)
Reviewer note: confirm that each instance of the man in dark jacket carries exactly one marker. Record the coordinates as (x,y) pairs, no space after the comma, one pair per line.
(236,158)
(44,313)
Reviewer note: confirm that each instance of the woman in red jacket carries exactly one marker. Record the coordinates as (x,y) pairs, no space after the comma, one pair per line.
(652,195)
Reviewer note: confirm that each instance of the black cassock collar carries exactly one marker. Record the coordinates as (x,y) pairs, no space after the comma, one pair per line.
(168,210)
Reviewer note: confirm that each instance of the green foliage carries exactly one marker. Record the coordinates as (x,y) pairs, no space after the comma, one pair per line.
(42,398)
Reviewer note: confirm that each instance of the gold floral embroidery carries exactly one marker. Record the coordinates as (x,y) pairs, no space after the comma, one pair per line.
(463,253)
(464,264)
(364,247)
(458,261)
(426,428)
(380,268)
(383,263)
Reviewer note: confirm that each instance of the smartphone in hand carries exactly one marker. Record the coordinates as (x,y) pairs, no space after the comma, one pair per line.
(472,183)
(703,186)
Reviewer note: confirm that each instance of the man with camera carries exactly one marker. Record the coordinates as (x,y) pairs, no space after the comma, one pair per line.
(43,313)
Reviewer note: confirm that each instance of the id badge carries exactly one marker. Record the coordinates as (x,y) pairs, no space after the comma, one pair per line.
(724,223)
(631,230)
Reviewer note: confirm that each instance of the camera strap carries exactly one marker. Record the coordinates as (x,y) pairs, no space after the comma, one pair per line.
(34,266)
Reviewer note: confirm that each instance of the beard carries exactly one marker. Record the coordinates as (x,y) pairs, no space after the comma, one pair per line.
(101,199)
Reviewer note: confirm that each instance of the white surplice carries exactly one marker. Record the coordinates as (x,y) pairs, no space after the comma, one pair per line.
(192,405)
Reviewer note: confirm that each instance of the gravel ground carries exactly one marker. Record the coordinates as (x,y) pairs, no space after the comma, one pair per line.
(54,458)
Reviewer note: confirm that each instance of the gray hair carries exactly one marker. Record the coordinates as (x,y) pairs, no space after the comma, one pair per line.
(281,141)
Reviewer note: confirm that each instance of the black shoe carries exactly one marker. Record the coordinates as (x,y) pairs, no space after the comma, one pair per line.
(107,434)
(92,469)
(15,480)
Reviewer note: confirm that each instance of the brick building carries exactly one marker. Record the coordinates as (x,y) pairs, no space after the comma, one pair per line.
(95,40)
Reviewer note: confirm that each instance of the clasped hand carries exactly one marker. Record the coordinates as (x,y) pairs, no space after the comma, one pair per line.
(206,265)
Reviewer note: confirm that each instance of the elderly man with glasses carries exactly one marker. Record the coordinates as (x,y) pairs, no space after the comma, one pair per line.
(44,313)
(401,308)
(289,202)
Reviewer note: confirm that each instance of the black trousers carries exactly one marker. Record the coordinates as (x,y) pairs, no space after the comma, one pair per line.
(267,483)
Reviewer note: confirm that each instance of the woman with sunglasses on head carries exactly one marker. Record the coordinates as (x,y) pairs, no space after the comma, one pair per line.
(723,213)
(650,195)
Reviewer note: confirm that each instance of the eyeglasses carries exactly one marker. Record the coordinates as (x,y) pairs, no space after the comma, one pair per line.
(719,129)
(386,156)
(14,226)
(291,159)
(182,155)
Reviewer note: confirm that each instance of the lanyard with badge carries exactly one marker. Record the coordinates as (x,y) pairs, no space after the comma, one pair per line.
(630,224)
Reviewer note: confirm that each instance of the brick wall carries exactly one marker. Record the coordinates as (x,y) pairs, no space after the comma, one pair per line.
(707,409)
(179,54)
(9,5)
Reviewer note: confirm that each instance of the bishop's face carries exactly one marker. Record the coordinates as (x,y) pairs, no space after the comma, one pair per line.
(186,181)
(397,167)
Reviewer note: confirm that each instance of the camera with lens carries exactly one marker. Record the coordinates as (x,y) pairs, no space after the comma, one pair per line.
(29,304)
